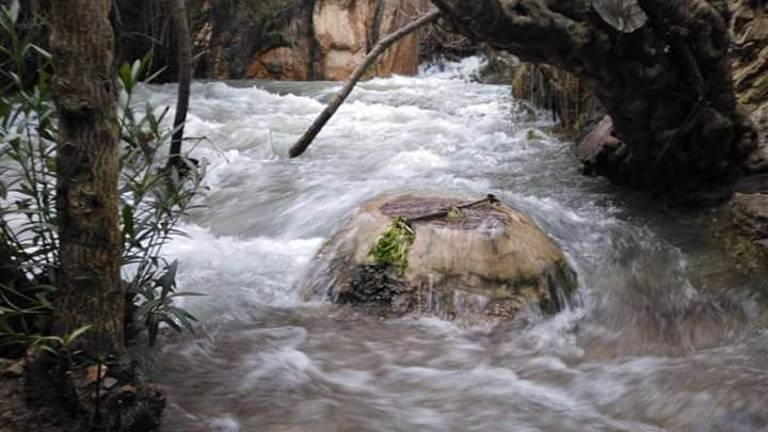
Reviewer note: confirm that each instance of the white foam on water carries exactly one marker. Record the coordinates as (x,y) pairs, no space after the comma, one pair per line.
(224,424)
(242,270)
(282,364)
(465,69)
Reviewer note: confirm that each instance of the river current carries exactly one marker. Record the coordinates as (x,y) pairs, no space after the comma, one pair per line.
(669,336)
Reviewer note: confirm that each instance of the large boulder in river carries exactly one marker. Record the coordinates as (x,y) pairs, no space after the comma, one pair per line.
(485,261)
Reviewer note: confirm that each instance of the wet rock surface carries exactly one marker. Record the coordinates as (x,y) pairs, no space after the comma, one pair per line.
(743,226)
(749,25)
(301,39)
(491,262)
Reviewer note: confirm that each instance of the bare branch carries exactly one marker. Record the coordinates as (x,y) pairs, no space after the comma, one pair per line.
(304,142)
(181,26)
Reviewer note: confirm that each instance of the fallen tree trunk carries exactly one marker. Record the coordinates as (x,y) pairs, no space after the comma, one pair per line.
(304,142)
(665,81)
(184,54)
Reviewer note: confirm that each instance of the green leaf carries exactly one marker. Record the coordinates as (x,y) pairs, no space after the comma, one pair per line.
(41,51)
(391,248)
(167,281)
(173,324)
(184,317)
(76,334)
(136,70)
(49,349)
(126,78)
(154,76)
(13,12)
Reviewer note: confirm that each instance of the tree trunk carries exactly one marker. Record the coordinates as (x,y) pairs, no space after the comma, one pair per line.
(666,86)
(89,287)
(184,61)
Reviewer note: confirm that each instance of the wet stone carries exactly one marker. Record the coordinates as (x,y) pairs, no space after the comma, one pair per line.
(487,261)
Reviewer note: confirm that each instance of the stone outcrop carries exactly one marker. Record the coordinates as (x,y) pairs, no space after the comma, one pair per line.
(750,28)
(301,39)
(490,261)
(750,71)
(743,221)
(743,228)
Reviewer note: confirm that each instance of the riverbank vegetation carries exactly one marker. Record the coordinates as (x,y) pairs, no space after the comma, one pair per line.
(83,224)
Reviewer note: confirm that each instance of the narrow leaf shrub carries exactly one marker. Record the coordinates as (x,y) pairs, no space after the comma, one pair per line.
(154,199)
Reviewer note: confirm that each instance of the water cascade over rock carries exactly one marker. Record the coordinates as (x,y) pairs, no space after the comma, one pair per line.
(485,260)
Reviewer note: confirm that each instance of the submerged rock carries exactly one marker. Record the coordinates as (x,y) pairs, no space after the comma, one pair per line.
(487,261)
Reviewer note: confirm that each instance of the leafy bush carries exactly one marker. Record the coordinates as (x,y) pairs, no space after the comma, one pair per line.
(154,199)
(155,196)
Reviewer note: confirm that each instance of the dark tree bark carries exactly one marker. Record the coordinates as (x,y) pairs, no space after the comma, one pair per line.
(667,86)
(89,287)
(184,61)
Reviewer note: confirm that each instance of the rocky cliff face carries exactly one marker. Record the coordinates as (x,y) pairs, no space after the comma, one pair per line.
(750,29)
(300,39)
(750,69)
(743,224)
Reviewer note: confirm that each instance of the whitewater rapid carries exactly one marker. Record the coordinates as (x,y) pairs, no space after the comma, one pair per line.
(669,337)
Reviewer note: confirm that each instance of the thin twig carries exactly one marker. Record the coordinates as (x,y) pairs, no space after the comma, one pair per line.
(491,199)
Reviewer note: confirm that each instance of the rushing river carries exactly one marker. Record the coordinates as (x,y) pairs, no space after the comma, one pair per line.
(668,338)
